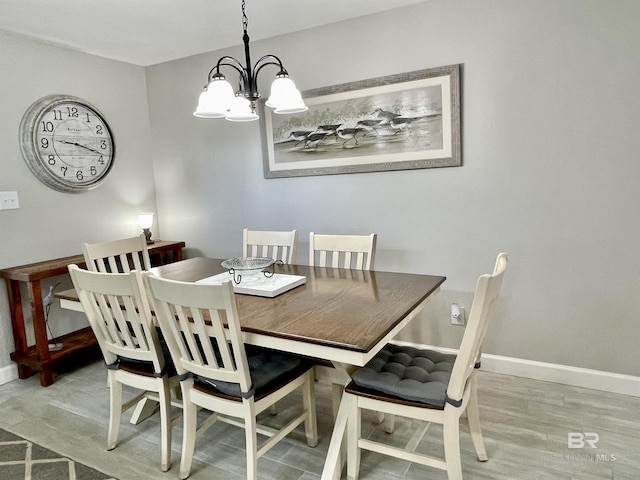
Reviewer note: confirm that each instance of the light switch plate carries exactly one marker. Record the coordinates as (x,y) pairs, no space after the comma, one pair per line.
(9,200)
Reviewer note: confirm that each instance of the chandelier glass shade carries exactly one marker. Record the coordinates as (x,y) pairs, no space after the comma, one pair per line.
(218,100)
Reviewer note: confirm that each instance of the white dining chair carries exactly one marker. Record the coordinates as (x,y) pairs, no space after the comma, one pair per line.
(342,251)
(117,256)
(122,256)
(421,384)
(118,311)
(277,245)
(220,374)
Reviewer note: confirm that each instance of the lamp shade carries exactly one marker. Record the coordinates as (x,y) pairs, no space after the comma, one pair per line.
(145,219)
(296,105)
(285,97)
(216,100)
(241,111)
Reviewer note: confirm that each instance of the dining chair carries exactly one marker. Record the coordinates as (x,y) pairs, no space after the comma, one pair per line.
(270,244)
(221,374)
(122,256)
(425,385)
(118,311)
(117,256)
(278,245)
(342,251)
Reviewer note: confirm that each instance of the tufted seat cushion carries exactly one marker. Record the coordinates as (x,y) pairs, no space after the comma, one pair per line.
(408,373)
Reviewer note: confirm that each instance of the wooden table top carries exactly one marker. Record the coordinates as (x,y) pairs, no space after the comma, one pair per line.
(347,309)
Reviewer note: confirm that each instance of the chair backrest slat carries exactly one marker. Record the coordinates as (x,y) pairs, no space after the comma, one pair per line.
(480,314)
(342,251)
(192,318)
(118,311)
(117,256)
(270,244)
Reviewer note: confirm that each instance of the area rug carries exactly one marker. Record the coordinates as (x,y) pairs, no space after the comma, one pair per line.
(21,459)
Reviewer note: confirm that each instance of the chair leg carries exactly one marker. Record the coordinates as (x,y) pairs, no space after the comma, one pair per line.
(354,430)
(189,420)
(379,417)
(473,417)
(388,419)
(115,411)
(451,440)
(165,423)
(251,437)
(309,404)
(389,423)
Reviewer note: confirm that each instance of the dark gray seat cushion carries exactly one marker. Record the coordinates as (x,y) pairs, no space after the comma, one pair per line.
(408,373)
(142,367)
(268,370)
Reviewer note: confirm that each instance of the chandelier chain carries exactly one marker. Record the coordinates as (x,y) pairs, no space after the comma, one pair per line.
(245,20)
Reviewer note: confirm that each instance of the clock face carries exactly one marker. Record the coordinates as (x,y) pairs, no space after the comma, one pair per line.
(66,143)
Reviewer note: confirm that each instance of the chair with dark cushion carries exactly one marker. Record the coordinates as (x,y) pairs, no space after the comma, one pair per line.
(407,372)
(118,311)
(421,384)
(122,256)
(219,373)
(356,252)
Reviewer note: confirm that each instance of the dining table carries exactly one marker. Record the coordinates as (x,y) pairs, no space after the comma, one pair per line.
(340,317)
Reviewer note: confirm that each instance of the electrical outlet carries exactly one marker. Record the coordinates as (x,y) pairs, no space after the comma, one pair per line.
(9,200)
(457,314)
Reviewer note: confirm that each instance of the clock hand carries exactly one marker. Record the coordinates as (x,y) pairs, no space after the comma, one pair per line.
(90,149)
(81,146)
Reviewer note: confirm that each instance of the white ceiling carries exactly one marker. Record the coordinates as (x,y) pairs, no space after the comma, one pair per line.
(147,32)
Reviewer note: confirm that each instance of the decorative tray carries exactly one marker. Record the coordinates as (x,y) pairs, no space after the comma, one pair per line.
(261,286)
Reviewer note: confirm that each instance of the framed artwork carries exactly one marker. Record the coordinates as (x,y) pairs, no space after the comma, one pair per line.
(398,122)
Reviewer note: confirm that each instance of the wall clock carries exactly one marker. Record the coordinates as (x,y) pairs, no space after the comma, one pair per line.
(67,143)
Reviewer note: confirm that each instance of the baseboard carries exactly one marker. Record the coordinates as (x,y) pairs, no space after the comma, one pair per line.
(8,373)
(551,372)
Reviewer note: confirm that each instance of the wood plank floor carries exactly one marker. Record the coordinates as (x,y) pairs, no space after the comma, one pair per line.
(526,426)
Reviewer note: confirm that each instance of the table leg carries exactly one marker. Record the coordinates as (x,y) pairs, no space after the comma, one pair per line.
(339,376)
(144,409)
(333,463)
(40,332)
(17,324)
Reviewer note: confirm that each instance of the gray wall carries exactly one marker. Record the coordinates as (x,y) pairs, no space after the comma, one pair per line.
(550,144)
(48,223)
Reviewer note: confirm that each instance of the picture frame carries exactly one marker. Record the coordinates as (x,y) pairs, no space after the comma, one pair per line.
(397,122)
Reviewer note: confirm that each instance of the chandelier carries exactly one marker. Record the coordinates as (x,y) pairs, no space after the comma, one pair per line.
(218,99)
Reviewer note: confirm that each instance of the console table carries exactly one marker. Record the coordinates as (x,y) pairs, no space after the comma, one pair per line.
(38,358)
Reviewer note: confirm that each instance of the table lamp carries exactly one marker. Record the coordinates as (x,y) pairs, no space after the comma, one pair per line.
(145,220)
